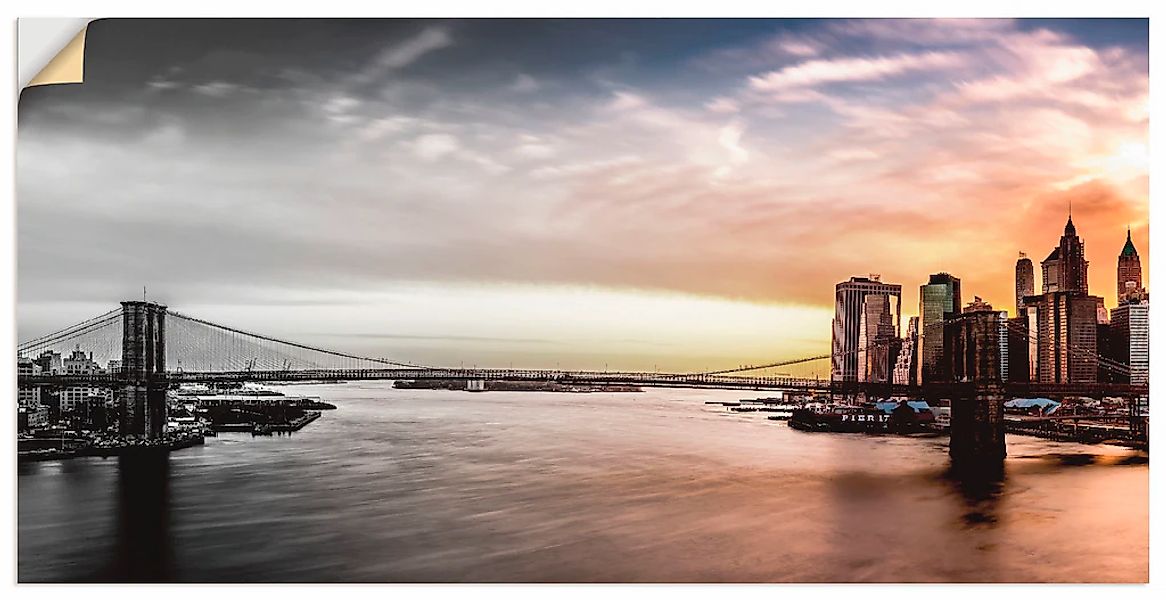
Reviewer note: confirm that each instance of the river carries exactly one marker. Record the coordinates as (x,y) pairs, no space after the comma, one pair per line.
(440,486)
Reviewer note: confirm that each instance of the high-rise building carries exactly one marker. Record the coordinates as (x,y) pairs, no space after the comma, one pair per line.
(1019,367)
(939,298)
(1130,328)
(904,372)
(1025,281)
(877,333)
(1065,269)
(975,345)
(1032,332)
(1067,337)
(1066,316)
(866,317)
(1129,274)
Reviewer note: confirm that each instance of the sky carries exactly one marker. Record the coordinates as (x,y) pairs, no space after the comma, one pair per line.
(640,194)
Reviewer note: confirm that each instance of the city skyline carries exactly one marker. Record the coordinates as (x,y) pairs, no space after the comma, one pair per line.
(689,206)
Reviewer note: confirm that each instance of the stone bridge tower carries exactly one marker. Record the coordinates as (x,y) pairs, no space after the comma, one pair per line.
(143,354)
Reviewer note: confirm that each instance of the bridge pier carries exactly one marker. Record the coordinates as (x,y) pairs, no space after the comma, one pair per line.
(977,426)
(142,399)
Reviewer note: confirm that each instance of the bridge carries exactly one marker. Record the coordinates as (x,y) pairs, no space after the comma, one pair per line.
(154,348)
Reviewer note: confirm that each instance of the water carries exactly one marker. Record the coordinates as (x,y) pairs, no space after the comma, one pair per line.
(422,486)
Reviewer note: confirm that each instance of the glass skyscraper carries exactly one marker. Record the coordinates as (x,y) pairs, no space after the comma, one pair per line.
(938,299)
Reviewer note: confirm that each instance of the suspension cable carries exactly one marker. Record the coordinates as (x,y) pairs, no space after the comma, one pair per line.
(71,331)
(294,344)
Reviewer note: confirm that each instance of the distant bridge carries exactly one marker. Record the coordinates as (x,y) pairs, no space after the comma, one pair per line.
(157,348)
(595,378)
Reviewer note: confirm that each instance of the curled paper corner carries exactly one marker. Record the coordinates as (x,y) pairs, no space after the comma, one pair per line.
(53,50)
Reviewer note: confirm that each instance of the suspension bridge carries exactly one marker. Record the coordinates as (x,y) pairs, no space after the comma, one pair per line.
(148,348)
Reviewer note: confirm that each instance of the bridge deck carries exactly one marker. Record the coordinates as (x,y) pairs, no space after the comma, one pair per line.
(785,384)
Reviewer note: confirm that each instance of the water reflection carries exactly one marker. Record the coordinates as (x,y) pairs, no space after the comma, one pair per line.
(143,548)
(401,485)
(981,485)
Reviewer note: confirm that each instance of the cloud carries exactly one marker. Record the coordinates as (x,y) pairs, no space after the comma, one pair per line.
(626,101)
(375,129)
(402,54)
(214,89)
(798,47)
(525,84)
(814,72)
(852,154)
(405,53)
(896,147)
(535,151)
(730,139)
(434,146)
(723,105)
(967,32)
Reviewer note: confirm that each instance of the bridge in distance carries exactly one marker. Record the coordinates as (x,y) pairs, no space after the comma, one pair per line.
(572,377)
(184,349)
(157,348)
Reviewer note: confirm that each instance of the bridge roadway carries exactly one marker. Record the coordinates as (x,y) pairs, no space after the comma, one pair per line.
(686,380)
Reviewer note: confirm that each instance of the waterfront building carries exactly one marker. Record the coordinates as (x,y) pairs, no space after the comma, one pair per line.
(904,372)
(80,363)
(975,345)
(1065,269)
(939,299)
(866,317)
(1129,274)
(1130,340)
(32,417)
(1025,281)
(29,396)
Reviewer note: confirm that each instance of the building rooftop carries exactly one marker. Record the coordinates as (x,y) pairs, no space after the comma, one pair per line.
(1128,249)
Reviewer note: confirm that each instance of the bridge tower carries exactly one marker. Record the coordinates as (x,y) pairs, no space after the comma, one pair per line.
(142,398)
(977,425)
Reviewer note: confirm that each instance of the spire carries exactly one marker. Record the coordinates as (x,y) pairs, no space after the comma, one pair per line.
(1069,228)
(1129,249)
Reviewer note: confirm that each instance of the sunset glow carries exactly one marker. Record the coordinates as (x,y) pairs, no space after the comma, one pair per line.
(458,193)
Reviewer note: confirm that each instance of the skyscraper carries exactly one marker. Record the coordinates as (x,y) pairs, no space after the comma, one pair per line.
(938,299)
(1065,269)
(1025,282)
(905,372)
(865,310)
(877,333)
(1129,273)
(1067,337)
(1066,315)
(1130,324)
